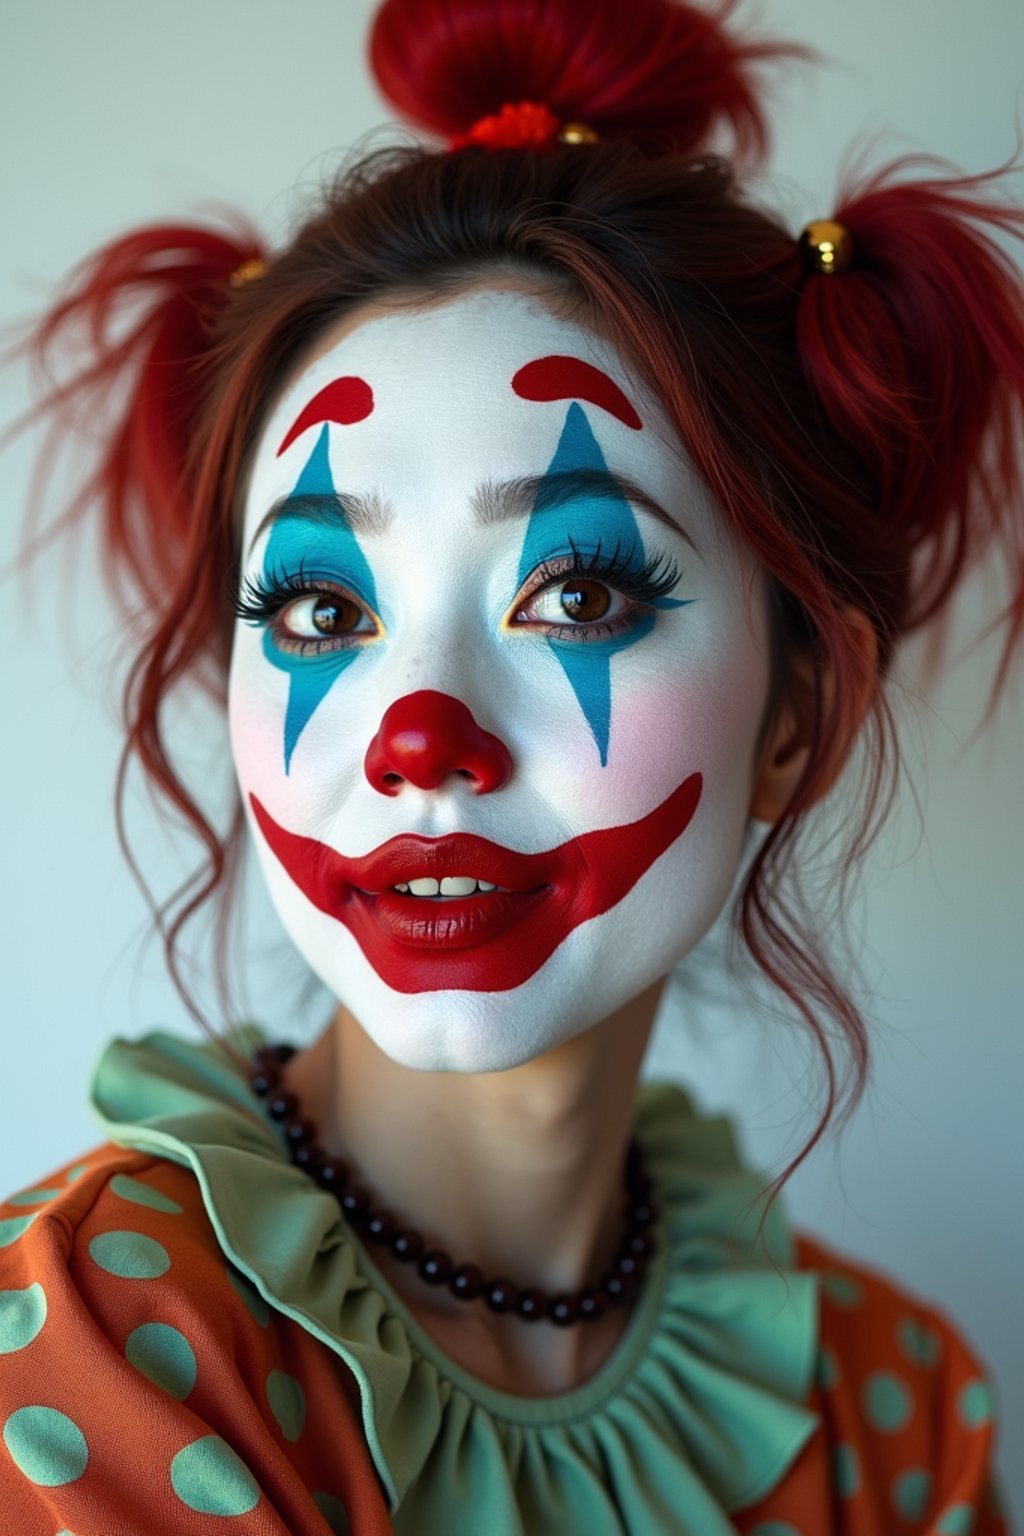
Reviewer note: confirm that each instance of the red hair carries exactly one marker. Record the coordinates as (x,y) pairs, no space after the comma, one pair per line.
(859,431)
(662,73)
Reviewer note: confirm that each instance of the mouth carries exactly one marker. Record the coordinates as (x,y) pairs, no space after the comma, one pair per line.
(423,887)
(446,869)
(463,913)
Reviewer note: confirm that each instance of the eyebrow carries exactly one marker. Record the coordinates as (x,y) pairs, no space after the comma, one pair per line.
(493,503)
(367,515)
(498,502)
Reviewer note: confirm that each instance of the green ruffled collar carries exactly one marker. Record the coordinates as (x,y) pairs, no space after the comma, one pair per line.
(698,1413)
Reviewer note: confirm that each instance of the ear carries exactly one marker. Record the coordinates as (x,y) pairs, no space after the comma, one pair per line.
(788,744)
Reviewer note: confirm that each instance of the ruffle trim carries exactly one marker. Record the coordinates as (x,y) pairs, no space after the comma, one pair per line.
(699,1412)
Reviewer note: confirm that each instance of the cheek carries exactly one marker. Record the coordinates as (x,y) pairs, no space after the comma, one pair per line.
(685,715)
(257,700)
(327,770)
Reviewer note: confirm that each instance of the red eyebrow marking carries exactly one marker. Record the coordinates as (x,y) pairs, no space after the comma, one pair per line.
(570,378)
(343,400)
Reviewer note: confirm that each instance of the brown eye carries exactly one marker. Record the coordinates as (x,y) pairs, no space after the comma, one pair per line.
(575,602)
(329,615)
(334,615)
(584,601)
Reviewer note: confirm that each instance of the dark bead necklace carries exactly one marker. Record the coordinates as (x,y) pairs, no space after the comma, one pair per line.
(616,1288)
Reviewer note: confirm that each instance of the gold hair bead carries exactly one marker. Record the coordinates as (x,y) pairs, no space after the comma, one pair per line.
(247,272)
(826,246)
(578,133)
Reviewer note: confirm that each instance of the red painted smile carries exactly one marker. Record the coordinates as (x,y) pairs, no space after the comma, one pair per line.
(488,942)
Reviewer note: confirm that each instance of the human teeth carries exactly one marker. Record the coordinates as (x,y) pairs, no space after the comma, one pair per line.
(450,885)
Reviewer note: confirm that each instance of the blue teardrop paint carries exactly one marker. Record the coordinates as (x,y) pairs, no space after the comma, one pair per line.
(332,552)
(610,520)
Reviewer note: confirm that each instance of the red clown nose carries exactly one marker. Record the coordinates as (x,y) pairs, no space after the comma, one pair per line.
(427,735)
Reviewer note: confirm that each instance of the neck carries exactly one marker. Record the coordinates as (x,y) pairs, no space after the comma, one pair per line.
(519,1172)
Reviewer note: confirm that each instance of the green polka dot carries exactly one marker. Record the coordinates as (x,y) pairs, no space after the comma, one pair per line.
(12,1227)
(76,1172)
(846,1471)
(208,1477)
(47,1446)
(130,1255)
(828,1368)
(911,1491)
(22,1314)
(334,1512)
(888,1402)
(288,1403)
(958,1520)
(975,1404)
(250,1295)
(165,1356)
(920,1344)
(844,1290)
(33,1197)
(141,1194)
(775,1528)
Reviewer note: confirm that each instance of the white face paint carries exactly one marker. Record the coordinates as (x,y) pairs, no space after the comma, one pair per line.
(441,679)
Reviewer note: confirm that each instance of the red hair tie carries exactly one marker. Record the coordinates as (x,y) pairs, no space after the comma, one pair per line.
(524,125)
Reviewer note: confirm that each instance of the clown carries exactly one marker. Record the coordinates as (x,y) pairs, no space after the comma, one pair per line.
(572,684)
(549,515)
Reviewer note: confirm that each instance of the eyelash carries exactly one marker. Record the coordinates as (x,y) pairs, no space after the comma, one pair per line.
(260,599)
(642,584)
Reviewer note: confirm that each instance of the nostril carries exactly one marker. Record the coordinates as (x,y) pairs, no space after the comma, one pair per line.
(427,735)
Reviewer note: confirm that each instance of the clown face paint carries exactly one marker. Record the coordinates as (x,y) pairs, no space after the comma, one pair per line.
(492,631)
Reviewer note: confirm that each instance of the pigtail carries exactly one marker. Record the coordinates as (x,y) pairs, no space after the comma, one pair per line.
(661,73)
(133,335)
(916,355)
(129,355)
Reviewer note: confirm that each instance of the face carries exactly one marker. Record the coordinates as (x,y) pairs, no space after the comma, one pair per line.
(497,679)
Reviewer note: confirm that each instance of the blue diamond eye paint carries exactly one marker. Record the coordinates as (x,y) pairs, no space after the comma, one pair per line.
(297,544)
(610,522)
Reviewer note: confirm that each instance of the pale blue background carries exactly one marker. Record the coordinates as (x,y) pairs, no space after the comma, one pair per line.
(114,113)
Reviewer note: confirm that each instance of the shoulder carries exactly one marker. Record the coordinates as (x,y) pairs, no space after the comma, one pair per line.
(118,1215)
(907,1402)
(107,1182)
(139,1369)
(876,1325)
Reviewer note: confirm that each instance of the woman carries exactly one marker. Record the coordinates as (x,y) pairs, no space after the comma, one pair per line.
(571,512)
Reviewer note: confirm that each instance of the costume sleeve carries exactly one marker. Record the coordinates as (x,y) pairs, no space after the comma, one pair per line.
(908,1408)
(146,1386)
(966,1494)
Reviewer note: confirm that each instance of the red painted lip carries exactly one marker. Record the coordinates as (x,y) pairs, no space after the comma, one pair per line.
(460,853)
(489,942)
(457,923)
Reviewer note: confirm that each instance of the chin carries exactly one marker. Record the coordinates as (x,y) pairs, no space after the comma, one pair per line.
(460,1031)
(600,968)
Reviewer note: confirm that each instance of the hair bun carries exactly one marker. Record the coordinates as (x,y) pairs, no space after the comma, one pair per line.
(659,72)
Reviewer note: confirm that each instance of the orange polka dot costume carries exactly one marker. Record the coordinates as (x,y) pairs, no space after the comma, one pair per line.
(906,1436)
(143,1386)
(193,1342)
